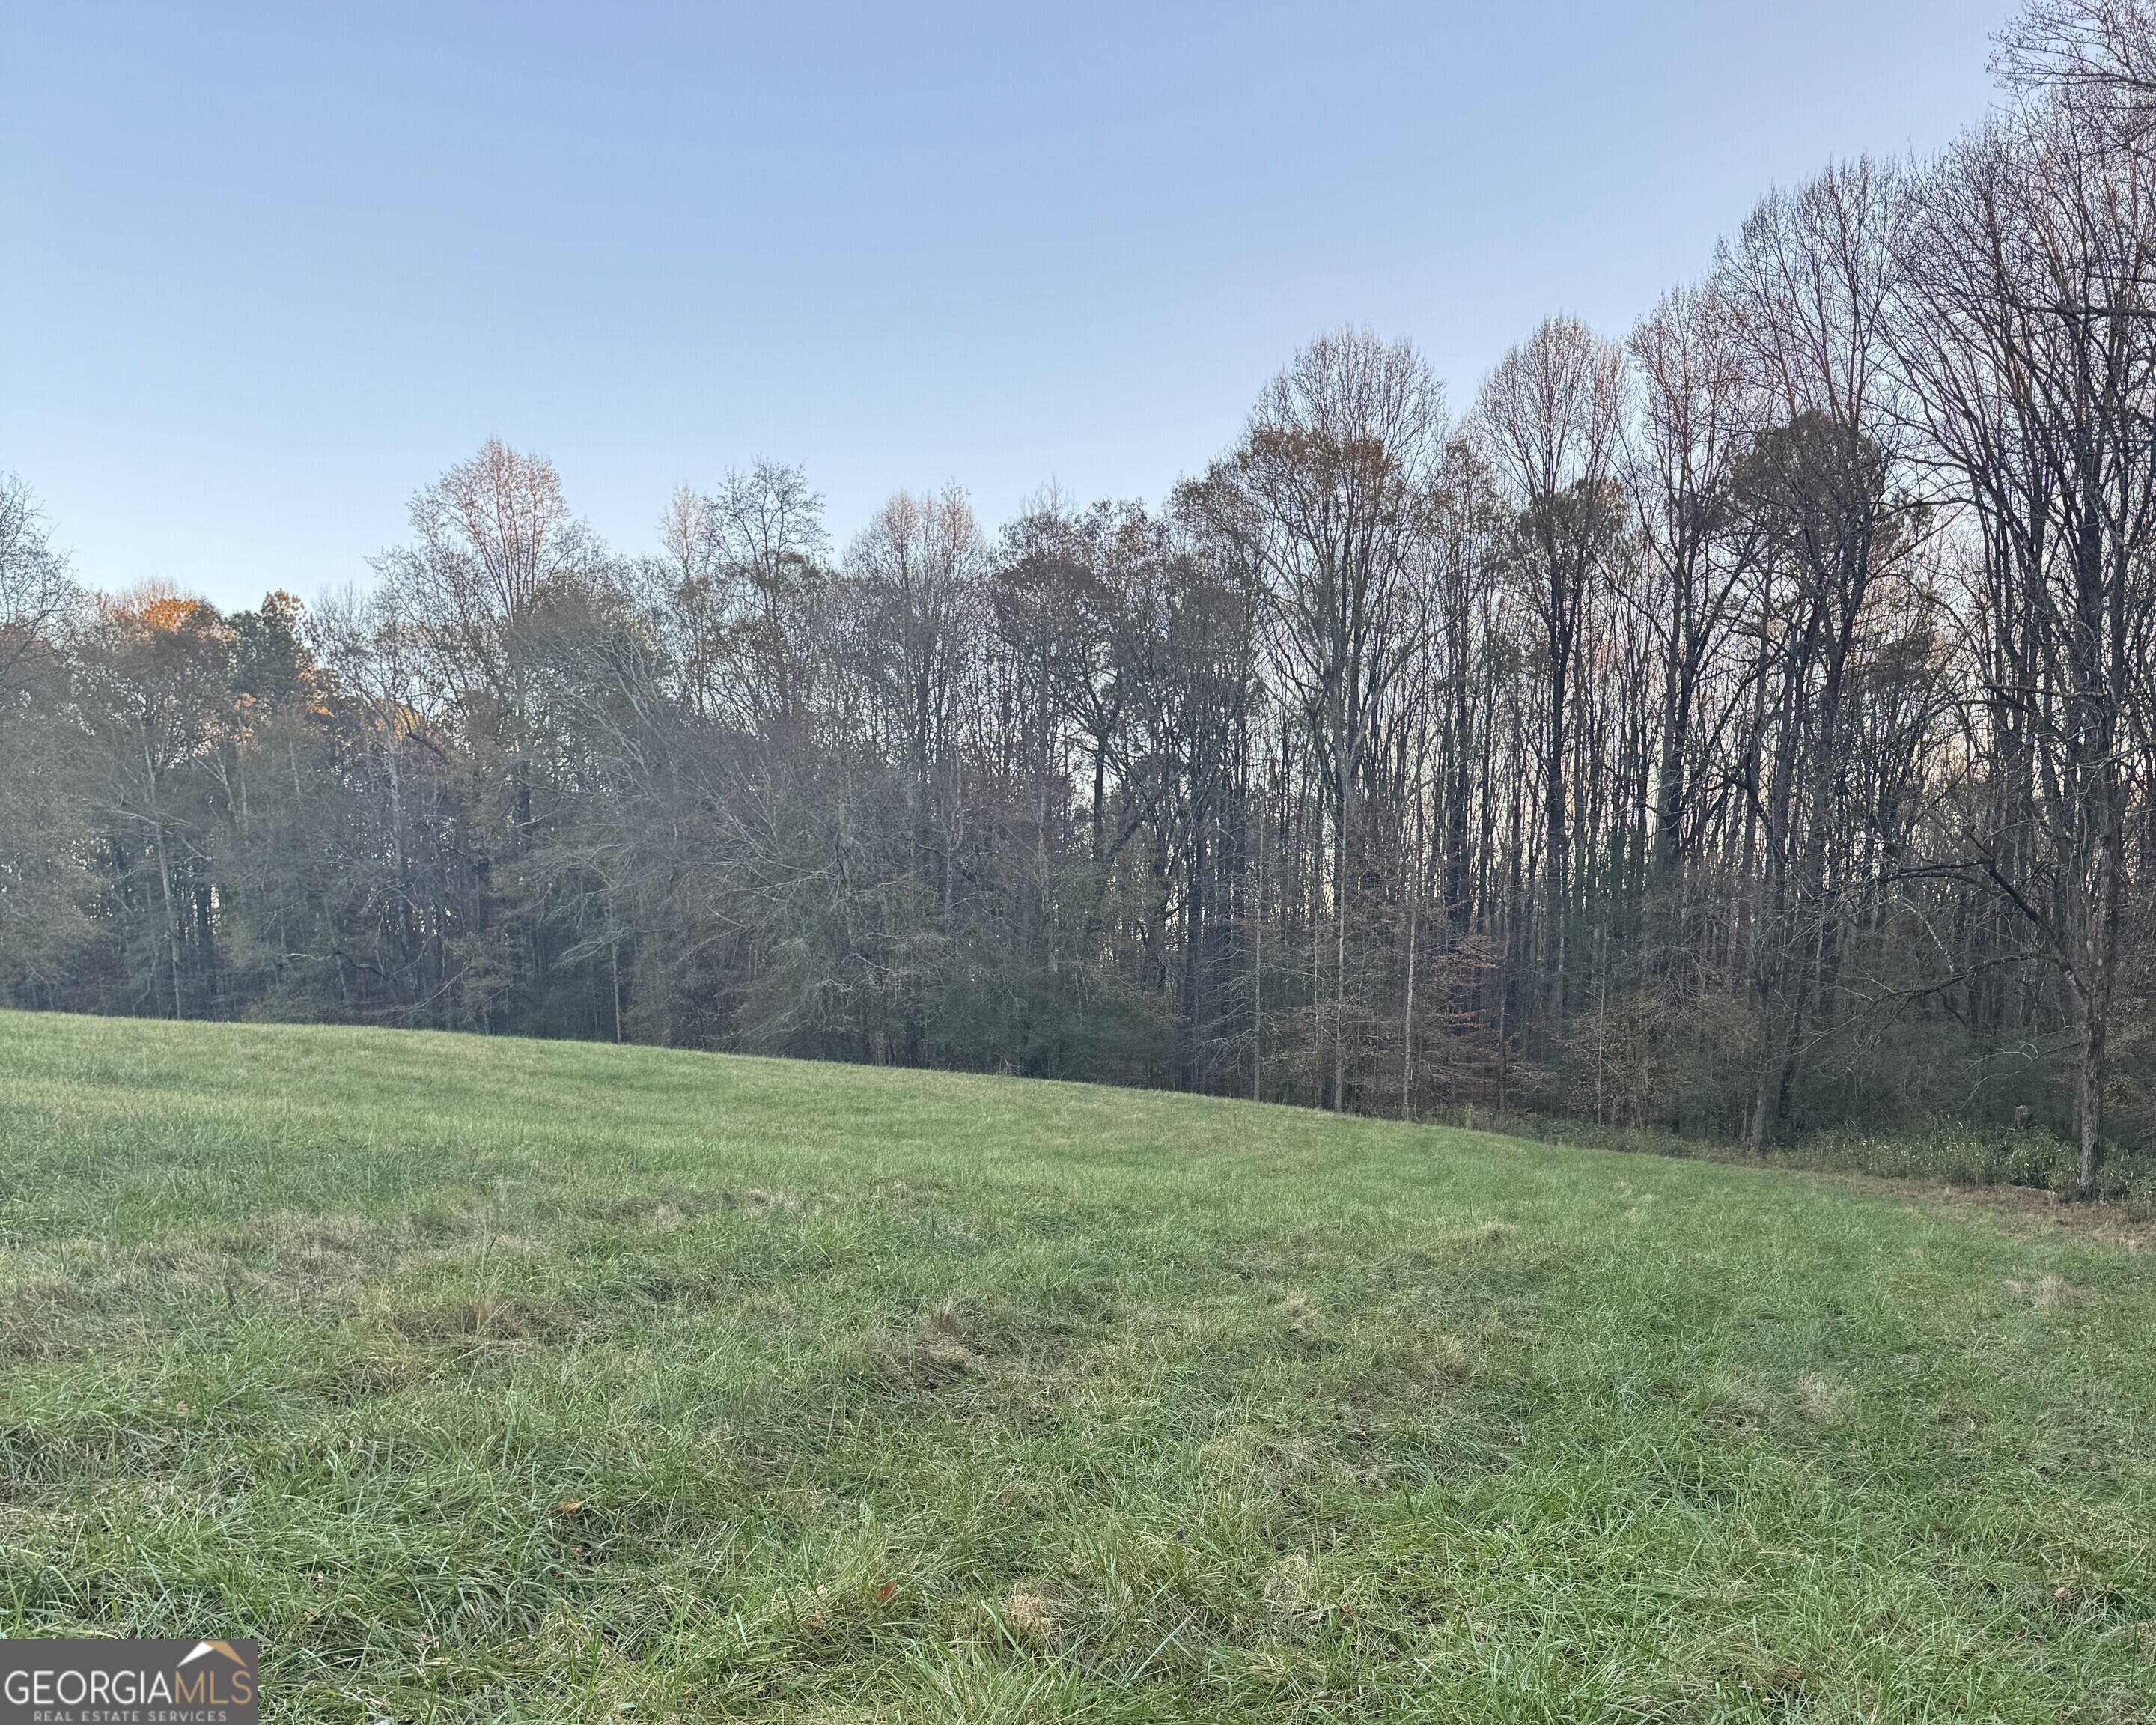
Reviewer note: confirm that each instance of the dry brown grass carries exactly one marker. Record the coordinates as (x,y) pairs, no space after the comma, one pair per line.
(2052,1294)
(1824,1398)
(1029,1616)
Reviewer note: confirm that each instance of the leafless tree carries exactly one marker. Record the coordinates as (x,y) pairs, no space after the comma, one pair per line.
(2096,56)
(1327,501)
(2032,332)
(1552,418)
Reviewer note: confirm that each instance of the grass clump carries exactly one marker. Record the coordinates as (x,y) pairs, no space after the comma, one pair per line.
(510,1381)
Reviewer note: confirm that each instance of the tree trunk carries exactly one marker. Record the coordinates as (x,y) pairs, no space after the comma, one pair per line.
(2088,1096)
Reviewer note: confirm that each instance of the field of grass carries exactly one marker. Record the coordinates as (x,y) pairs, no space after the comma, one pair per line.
(491,1380)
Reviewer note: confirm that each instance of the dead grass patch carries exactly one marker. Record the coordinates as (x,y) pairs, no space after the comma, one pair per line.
(36,1311)
(940,1353)
(384,1374)
(1824,1398)
(1028,1617)
(1446,1358)
(482,1316)
(1286,1584)
(2052,1294)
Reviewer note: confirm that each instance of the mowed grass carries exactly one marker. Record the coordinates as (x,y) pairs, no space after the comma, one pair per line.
(492,1380)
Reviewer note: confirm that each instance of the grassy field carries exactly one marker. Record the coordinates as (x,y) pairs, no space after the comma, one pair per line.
(490,1380)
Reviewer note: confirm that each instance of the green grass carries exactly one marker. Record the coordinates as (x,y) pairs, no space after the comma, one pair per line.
(491,1380)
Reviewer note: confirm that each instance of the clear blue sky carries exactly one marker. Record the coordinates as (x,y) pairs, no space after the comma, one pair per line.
(266,271)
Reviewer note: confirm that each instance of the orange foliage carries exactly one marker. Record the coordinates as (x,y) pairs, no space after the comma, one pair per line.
(154,608)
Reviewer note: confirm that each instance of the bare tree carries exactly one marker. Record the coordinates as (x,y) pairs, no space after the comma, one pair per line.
(917,573)
(2098,56)
(1695,418)
(2032,331)
(1552,418)
(1325,501)
(35,585)
(489,535)
(739,576)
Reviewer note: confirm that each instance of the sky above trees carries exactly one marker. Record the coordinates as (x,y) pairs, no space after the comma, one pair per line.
(269,271)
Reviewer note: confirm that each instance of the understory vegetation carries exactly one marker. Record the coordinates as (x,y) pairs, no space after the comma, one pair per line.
(493,1379)
(1938,1150)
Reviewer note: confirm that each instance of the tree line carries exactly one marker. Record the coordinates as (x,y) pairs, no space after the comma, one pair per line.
(1744,726)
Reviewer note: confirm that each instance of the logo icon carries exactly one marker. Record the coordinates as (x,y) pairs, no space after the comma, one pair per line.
(129,1682)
